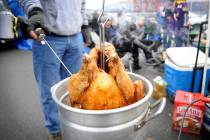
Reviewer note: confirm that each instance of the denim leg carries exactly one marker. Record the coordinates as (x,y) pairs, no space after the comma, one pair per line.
(178,41)
(165,39)
(73,55)
(47,73)
(179,35)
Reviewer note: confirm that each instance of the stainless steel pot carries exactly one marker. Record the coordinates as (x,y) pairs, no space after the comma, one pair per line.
(115,124)
(6,25)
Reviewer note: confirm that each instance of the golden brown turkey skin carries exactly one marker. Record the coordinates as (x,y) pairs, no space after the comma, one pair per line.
(95,54)
(80,81)
(118,72)
(102,94)
(95,89)
(139,90)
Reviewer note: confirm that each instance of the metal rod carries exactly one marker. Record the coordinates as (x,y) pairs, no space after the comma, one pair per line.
(102,42)
(102,36)
(46,42)
(102,45)
(99,18)
(197,55)
(206,57)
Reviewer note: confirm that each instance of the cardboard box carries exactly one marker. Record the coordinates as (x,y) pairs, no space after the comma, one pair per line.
(194,116)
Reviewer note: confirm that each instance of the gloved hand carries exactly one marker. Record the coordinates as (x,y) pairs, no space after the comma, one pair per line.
(85,29)
(35,20)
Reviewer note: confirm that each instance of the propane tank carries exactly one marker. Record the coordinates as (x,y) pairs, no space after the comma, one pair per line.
(6,23)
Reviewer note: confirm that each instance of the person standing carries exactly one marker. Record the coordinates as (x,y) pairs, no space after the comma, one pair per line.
(62,22)
(181,21)
(168,24)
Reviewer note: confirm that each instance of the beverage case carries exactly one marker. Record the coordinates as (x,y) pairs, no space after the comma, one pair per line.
(194,116)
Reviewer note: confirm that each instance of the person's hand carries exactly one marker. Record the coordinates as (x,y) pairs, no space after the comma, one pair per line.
(35,20)
(175,17)
(86,34)
(84,27)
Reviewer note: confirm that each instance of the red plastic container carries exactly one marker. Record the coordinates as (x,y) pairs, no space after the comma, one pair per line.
(194,116)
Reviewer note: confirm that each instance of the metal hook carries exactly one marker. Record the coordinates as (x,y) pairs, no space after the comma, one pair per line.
(102,36)
(99,18)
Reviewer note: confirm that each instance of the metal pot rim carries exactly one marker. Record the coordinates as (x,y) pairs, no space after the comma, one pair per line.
(102,112)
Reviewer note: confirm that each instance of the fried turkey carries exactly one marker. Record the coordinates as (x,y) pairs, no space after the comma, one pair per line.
(93,88)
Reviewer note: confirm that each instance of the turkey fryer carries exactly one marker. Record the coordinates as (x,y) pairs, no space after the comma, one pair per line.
(123,123)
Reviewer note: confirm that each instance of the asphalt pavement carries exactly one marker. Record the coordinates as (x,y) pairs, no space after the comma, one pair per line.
(21,117)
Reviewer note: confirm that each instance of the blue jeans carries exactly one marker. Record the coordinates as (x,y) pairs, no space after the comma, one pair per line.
(178,41)
(180,36)
(167,36)
(49,71)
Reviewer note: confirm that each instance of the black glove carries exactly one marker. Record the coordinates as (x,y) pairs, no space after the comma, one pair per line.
(85,29)
(35,20)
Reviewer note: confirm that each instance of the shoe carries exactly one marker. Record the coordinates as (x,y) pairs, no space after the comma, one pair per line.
(55,136)
(150,61)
